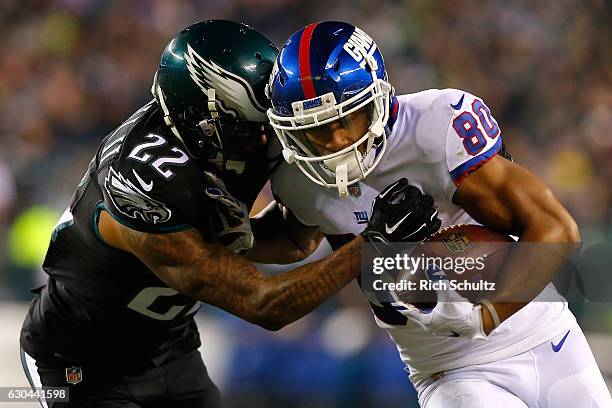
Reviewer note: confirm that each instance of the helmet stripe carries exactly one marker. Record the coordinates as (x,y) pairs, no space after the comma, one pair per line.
(304,61)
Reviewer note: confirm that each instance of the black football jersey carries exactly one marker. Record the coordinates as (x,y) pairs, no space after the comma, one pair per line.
(102,306)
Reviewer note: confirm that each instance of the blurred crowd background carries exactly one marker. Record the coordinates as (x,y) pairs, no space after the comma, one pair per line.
(72,70)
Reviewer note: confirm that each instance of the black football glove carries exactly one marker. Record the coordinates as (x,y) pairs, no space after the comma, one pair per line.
(401,213)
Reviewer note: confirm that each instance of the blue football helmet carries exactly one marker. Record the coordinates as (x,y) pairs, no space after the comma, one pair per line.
(326,72)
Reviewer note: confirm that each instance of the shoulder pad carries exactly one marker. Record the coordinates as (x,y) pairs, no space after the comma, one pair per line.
(150,183)
(432,113)
(473,135)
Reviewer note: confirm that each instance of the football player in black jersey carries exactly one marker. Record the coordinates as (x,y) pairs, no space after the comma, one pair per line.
(160,222)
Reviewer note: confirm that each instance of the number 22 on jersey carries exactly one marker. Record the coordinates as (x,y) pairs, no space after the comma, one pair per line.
(138,153)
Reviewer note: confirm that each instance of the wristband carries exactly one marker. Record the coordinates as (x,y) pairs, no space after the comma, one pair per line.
(492,312)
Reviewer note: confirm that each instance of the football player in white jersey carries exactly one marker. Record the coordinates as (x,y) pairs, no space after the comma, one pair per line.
(346,137)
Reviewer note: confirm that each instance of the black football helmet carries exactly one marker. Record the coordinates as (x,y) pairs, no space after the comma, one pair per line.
(210,85)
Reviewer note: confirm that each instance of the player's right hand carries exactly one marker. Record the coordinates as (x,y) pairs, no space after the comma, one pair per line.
(401,213)
(230,216)
(453,316)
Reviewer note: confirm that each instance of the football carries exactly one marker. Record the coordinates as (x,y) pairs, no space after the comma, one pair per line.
(467,257)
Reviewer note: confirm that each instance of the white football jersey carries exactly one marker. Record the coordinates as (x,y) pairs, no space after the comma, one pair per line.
(437,138)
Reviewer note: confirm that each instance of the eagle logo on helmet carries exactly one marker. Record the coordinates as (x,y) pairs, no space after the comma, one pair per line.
(235,95)
(132,202)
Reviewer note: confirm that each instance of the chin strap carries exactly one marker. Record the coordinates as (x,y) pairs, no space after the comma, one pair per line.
(212,103)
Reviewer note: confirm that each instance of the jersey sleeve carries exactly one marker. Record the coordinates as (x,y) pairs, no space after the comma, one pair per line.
(292,191)
(155,188)
(473,135)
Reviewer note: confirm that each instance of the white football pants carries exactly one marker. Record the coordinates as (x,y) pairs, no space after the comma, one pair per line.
(561,373)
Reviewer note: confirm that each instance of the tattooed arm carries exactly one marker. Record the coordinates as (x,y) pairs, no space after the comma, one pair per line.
(215,275)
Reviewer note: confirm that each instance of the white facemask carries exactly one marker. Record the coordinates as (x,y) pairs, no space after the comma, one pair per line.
(348,165)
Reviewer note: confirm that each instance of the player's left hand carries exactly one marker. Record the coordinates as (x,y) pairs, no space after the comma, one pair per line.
(453,316)
(230,216)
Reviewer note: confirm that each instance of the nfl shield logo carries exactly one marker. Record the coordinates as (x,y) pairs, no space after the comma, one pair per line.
(74,375)
(457,243)
(354,190)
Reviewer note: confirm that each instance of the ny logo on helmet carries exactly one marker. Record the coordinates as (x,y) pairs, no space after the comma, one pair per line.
(360,46)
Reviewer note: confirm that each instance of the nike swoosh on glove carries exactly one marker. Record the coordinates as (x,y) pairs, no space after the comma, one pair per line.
(402,213)
(230,216)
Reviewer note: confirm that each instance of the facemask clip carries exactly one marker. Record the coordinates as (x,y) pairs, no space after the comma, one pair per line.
(342,179)
(289,155)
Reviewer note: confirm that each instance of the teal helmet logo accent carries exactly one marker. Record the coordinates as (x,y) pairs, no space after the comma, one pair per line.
(234,95)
